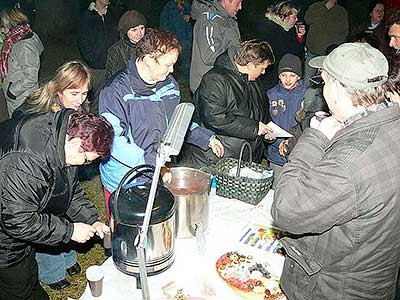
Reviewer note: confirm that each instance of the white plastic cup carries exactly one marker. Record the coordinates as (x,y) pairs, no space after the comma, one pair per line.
(95,275)
(299,26)
(107,237)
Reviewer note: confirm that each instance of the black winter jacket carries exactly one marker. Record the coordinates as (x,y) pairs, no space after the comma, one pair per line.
(281,42)
(40,196)
(118,55)
(231,106)
(97,34)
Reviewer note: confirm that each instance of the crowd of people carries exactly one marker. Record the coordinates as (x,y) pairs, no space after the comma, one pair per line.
(334,87)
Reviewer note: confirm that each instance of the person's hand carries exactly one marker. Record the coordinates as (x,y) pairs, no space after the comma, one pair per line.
(269,136)
(216,147)
(186,18)
(282,147)
(263,129)
(82,232)
(330,3)
(99,228)
(328,126)
(167,177)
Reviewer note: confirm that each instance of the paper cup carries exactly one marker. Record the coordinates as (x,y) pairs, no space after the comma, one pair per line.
(300,26)
(95,275)
(107,237)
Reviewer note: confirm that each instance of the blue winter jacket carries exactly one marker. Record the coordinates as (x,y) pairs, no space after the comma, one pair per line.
(171,19)
(139,115)
(283,105)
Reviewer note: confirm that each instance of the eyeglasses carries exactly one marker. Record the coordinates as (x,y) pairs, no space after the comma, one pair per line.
(87,161)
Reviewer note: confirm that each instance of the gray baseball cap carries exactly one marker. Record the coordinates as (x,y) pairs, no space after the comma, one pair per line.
(356,65)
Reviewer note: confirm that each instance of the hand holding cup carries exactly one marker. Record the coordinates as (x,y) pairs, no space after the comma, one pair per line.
(300,29)
(99,228)
(82,232)
(329,126)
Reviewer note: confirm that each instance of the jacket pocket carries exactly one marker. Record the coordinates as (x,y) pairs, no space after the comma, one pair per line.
(9,94)
(306,261)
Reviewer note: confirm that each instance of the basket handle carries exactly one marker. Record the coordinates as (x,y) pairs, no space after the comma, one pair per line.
(240,157)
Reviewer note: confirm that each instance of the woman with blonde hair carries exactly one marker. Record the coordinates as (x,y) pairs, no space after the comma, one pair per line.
(279,30)
(19,57)
(68,89)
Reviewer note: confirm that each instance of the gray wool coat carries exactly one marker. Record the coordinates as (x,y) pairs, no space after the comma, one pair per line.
(341,199)
(23,71)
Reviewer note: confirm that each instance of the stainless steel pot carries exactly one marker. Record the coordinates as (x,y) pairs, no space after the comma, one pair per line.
(191,189)
(127,207)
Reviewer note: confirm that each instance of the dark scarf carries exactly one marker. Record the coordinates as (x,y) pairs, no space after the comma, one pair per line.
(13,36)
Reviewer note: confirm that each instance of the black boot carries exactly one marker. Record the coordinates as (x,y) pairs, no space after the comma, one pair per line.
(60,285)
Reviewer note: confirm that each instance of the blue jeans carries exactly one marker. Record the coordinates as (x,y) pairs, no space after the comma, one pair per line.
(52,267)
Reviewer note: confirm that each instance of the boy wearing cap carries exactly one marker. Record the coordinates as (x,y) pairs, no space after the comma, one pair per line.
(131,26)
(339,193)
(284,101)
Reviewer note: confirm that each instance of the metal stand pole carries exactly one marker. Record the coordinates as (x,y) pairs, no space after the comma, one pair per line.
(141,239)
(171,145)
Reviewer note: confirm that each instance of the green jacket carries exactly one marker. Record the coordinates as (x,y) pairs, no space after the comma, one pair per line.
(326,27)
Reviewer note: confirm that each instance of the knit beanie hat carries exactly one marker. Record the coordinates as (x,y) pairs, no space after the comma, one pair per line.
(290,63)
(130,19)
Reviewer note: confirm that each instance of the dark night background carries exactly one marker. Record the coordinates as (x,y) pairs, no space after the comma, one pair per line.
(56,18)
(56,22)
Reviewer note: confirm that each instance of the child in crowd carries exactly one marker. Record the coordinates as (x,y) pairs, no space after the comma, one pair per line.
(284,101)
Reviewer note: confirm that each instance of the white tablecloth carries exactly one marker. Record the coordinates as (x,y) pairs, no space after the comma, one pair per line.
(195,272)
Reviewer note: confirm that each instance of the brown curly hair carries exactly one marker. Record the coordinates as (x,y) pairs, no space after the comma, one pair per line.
(157,42)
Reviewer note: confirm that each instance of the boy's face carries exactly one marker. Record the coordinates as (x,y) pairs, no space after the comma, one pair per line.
(289,80)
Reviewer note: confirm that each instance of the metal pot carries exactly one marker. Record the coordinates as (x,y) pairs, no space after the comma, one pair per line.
(191,189)
(127,207)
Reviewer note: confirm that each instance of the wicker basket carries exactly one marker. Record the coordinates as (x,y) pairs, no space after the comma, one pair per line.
(246,189)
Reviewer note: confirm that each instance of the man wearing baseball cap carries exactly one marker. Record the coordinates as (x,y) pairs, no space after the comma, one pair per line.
(339,193)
